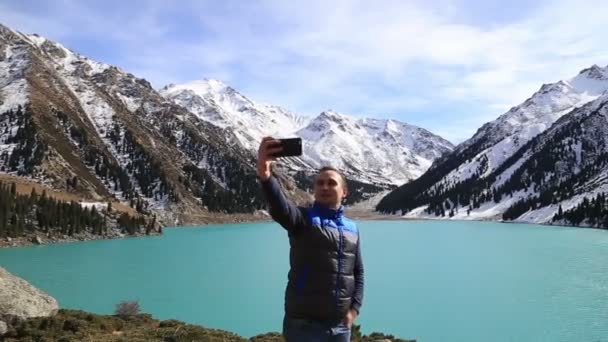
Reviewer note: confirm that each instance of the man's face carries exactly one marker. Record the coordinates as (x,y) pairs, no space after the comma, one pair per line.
(329,189)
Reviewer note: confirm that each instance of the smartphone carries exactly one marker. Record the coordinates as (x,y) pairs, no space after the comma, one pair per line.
(291,147)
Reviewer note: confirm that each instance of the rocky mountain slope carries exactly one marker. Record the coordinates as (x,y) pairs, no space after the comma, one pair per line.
(90,128)
(545,154)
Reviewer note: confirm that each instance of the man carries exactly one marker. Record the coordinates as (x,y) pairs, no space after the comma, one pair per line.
(324,292)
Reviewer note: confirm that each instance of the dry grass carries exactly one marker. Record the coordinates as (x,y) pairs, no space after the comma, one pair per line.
(74,325)
(25,186)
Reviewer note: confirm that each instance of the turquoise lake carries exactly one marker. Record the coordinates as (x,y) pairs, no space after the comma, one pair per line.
(427,280)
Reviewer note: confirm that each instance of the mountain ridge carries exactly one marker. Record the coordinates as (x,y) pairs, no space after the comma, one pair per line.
(362,147)
(471,181)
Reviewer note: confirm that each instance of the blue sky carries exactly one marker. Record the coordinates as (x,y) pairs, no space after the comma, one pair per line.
(448,66)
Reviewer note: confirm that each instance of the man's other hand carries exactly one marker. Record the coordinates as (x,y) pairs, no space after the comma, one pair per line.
(350,318)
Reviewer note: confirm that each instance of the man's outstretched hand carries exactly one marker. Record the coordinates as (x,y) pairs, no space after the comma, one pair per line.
(268,147)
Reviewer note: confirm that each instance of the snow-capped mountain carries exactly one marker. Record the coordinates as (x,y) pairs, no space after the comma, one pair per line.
(213,101)
(66,117)
(471,181)
(383,152)
(372,150)
(498,140)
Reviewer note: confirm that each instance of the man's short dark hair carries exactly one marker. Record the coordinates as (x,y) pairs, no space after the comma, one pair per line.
(331,168)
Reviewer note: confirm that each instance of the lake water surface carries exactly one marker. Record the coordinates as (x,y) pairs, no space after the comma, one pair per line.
(428,280)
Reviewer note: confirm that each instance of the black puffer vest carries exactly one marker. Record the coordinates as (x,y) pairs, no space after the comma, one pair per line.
(322,259)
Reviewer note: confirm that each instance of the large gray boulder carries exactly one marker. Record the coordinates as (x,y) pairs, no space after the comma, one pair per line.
(19,299)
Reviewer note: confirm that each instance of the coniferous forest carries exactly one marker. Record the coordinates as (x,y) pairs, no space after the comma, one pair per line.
(21,215)
(592,212)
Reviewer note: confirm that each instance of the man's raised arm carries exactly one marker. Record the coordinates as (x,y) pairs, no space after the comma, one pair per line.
(281,209)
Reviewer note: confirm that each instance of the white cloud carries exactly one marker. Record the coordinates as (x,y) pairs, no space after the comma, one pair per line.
(388,58)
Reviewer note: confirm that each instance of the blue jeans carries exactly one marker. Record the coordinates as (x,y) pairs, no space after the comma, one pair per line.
(308,330)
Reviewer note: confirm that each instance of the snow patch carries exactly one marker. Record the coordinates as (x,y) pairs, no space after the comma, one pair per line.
(96,67)
(13,95)
(13,86)
(131,103)
(486,211)
(36,39)
(96,205)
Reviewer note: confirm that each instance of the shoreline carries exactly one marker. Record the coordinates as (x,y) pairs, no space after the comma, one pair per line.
(30,240)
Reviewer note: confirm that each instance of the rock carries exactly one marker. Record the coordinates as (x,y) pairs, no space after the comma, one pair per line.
(19,299)
(3,328)
(8,239)
(37,240)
